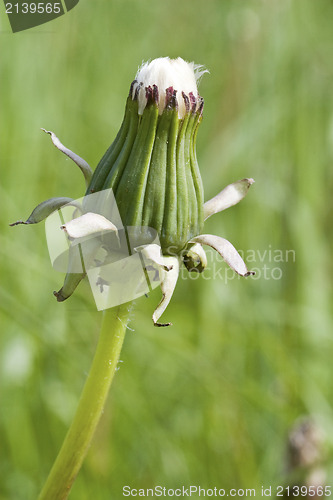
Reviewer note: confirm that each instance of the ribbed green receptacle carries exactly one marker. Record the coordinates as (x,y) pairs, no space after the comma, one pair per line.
(152,168)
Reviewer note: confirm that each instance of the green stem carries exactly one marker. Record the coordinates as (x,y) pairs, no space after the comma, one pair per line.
(90,407)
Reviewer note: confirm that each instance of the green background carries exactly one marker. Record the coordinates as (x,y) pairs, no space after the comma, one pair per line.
(210,400)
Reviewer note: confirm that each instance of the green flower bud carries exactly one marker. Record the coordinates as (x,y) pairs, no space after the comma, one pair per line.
(151,171)
(151,166)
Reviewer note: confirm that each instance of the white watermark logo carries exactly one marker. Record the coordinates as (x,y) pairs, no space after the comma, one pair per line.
(267,264)
(87,236)
(115,262)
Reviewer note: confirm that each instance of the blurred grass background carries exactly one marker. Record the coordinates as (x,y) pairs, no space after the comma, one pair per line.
(209,401)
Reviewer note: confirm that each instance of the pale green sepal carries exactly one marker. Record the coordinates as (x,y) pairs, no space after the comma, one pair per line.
(130,193)
(72,279)
(229,196)
(195,259)
(110,167)
(167,286)
(71,282)
(226,250)
(44,209)
(153,252)
(80,162)
(81,258)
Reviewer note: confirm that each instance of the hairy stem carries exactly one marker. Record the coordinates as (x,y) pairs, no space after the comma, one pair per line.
(90,407)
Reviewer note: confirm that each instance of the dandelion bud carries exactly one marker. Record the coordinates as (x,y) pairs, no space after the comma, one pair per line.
(151,166)
(148,202)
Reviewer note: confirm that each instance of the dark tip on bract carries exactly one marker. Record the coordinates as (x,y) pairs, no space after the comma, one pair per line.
(59,296)
(170,98)
(187,102)
(168,95)
(150,95)
(137,90)
(131,88)
(193,102)
(162,324)
(19,222)
(201,103)
(155,94)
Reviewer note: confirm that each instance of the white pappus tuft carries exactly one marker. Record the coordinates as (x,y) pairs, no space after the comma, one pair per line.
(164,72)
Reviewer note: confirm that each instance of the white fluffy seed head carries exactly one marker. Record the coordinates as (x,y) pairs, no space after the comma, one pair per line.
(165,73)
